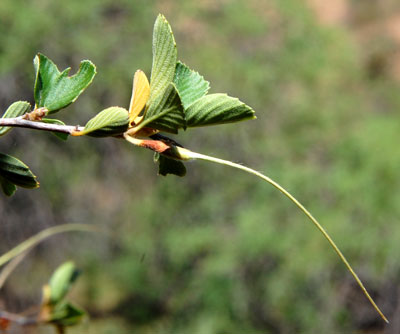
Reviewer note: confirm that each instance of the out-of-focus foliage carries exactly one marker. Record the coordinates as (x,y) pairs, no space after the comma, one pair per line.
(216,251)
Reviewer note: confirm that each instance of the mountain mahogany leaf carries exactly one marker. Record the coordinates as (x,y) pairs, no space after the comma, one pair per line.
(164,58)
(169,166)
(8,187)
(54,89)
(15,171)
(109,122)
(140,95)
(61,281)
(17,109)
(190,84)
(217,109)
(62,136)
(166,114)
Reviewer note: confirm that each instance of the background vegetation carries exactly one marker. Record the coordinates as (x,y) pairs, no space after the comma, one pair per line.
(216,251)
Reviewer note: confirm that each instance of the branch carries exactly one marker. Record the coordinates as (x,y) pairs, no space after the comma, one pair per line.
(23,123)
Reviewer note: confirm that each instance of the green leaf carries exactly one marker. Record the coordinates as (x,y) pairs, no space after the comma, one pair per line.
(18,108)
(61,281)
(62,136)
(15,171)
(217,109)
(8,187)
(54,89)
(164,59)
(190,84)
(166,114)
(169,166)
(109,122)
(66,314)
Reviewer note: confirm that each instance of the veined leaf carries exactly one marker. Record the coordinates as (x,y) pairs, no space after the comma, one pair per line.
(109,122)
(190,84)
(62,136)
(217,109)
(61,281)
(169,166)
(15,171)
(164,59)
(166,114)
(8,187)
(18,108)
(54,89)
(140,95)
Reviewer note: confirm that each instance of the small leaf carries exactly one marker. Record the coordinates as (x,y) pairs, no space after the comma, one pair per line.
(164,58)
(60,135)
(190,84)
(169,166)
(17,109)
(61,281)
(15,171)
(140,95)
(217,109)
(109,122)
(166,114)
(54,89)
(8,187)
(66,314)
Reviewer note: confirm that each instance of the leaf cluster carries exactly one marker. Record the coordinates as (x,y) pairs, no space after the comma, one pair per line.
(178,97)
(175,98)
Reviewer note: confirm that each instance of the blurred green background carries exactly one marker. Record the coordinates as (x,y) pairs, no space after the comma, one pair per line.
(217,251)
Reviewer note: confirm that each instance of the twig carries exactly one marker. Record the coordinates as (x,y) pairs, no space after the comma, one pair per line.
(23,123)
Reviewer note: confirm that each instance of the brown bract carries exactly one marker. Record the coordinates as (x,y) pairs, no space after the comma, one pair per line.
(155,145)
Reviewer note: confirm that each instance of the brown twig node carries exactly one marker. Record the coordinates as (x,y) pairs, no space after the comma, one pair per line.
(36,114)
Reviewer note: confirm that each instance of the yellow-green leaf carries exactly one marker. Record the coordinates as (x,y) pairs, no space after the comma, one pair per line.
(109,122)
(61,281)
(17,109)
